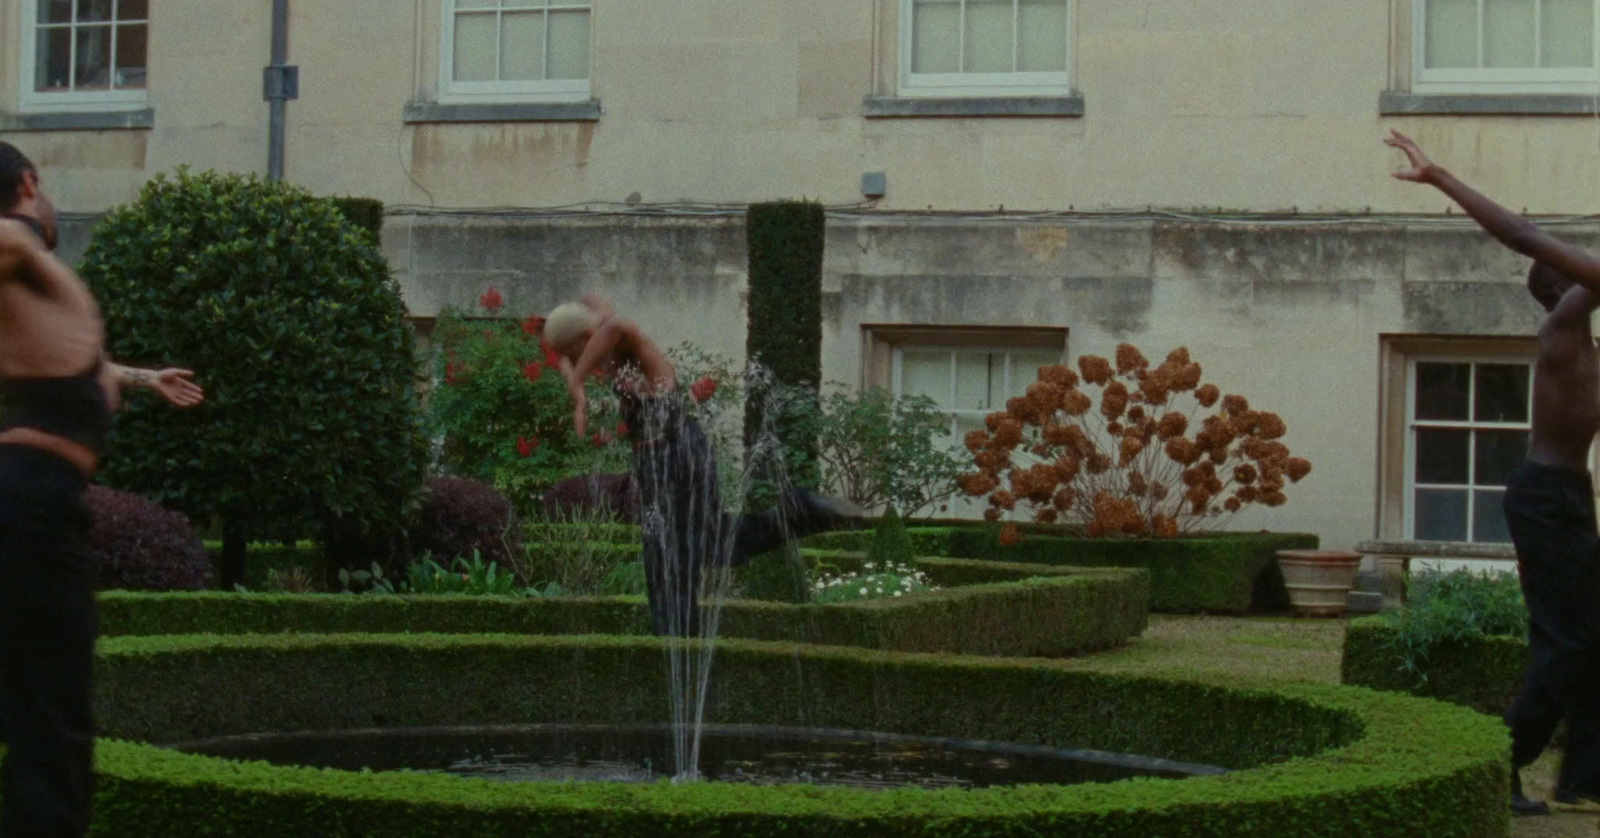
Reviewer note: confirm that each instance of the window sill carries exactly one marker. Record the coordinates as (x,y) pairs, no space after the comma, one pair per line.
(1404,103)
(891,107)
(426,112)
(131,120)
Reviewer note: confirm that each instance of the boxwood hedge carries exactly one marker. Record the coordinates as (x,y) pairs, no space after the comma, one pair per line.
(1059,612)
(1308,760)
(1483,673)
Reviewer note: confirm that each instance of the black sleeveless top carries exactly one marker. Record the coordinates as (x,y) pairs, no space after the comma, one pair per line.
(72,407)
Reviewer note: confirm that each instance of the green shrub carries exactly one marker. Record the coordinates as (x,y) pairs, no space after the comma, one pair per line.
(578,549)
(878,449)
(786,242)
(1446,608)
(1309,760)
(1483,673)
(292,322)
(461,517)
(890,544)
(365,213)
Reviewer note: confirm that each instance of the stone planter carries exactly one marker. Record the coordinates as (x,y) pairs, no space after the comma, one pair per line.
(1319,581)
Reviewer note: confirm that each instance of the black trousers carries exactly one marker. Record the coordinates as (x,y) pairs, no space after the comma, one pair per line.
(685,527)
(47,636)
(1552,519)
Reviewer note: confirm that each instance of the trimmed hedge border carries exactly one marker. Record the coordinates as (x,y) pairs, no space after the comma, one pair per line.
(1309,759)
(1482,673)
(1225,573)
(1059,612)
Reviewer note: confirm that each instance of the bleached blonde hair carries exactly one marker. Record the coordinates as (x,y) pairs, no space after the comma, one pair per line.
(568,321)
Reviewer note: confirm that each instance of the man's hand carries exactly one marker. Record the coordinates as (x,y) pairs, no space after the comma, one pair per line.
(1422,169)
(175,386)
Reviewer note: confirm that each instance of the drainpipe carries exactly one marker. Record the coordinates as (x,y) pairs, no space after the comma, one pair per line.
(282,84)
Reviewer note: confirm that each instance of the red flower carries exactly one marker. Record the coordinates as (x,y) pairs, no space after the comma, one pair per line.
(491,301)
(533,325)
(533,371)
(622,429)
(703,389)
(551,359)
(452,372)
(601,439)
(525,445)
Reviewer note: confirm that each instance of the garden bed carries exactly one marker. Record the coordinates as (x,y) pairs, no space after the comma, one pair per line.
(1306,759)
(1483,673)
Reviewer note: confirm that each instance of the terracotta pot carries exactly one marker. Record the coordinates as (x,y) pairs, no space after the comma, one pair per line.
(1319,581)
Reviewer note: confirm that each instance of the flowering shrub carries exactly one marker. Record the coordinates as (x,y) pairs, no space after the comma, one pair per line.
(1161,454)
(502,407)
(875,581)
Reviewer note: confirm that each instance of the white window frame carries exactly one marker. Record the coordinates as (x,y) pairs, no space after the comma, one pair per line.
(897,377)
(981,84)
(29,97)
(1495,80)
(1412,424)
(509,92)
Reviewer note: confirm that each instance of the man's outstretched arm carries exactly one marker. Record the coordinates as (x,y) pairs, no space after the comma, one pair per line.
(1514,231)
(173,384)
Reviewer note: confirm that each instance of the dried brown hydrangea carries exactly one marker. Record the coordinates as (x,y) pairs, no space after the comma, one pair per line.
(1059,375)
(1114,400)
(1065,498)
(1270,426)
(1245,474)
(1099,463)
(1130,359)
(1235,404)
(1297,468)
(1076,403)
(1138,486)
(1233,505)
(977,441)
(1207,395)
(1009,434)
(1173,425)
(1131,446)
(1165,526)
(1096,370)
(1010,536)
(978,485)
(1066,468)
(1183,451)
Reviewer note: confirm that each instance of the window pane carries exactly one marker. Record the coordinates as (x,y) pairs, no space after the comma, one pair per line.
(131,55)
(926,374)
(53,66)
(1442,391)
(523,4)
(94,10)
(1502,393)
(1509,33)
(1441,515)
(1489,518)
(474,47)
(1568,33)
(477,4)
(133,10)
(1025,369)
(972,382)
(522,46)
(94,58)
(990,37)
(1442,456)
(55,11)
(1452,33)
(1042,34)
(936,36)
(998,394)
(569,45)
(1499,453)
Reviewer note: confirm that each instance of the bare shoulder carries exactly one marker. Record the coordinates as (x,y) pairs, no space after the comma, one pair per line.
(1567,330)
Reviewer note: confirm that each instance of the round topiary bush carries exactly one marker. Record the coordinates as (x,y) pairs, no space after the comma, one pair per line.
(292,322)
(139,546)
(460,516)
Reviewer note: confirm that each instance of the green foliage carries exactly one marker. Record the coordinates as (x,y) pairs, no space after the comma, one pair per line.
(1309,760)
(365,213)
(1223,573)
(579,550)
(878,580)
(890,543)
(1451,607)
(878,450)
(371,581)
(289,316)
(786,242)
(626,579)
(474,578)
(502,407)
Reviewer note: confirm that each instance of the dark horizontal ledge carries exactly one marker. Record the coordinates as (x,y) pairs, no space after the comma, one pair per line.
(1402,103)
(421,112)
(889,107)
(79,121)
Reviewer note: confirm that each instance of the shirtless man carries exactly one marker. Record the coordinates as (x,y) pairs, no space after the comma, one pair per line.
(58,391)
(1549,502)
(674,466)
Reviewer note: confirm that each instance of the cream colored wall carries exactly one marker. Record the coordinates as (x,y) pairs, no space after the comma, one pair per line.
(1241,104)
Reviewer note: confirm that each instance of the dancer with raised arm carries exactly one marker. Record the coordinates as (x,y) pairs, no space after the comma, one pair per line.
(1550,501)
(685,525)
(58,391)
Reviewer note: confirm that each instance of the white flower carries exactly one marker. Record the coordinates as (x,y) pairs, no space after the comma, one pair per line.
(863,591)
(899,593)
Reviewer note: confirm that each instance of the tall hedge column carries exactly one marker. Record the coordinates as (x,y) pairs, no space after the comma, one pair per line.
(786,241)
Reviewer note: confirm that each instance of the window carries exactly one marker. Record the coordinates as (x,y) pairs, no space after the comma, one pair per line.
(85,54)
(1469,428)
(985,47)
(970,383)
(515,51)
(1506,46)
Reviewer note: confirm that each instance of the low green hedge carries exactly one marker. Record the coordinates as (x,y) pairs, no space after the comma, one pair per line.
(1309,760)
(1225,573)
(1064,614)
(1483,673)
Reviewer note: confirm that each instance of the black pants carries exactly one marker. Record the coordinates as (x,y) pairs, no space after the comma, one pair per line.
(47,635)
(685,527)
(1552,519)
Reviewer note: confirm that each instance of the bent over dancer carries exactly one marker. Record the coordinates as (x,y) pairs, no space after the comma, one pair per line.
(59,391)
(680,505)
(1549,501)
